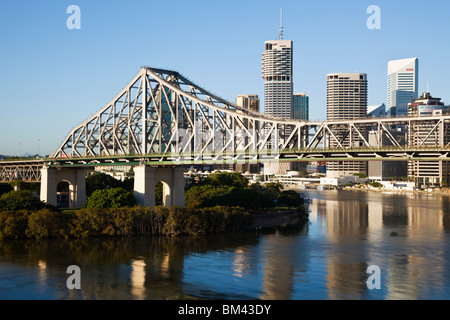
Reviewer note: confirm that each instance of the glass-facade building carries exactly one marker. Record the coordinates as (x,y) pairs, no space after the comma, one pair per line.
(402,85)
(300,107)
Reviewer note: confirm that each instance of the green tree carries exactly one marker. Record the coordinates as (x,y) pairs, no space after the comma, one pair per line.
(45,223)
(13,224)
(100,181)
(376,184)
(22,185)
(290,198)
(268,198)
(276,187)
(5,187)
(111,198)
(20,200)
(211,196)
(230,179)
(267,195)
(205,196)
(159,193)
(241,197)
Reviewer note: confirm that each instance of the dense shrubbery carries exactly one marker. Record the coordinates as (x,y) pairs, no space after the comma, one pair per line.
(46,223)
(110,198)
(5,187)
(128,221)
(21,200)
(290,198)
(232,189)
(100,181)
(209,196)
(13,224)
(223,189)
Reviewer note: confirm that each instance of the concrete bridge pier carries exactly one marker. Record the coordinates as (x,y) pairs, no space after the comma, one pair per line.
(146,178)
(76,177)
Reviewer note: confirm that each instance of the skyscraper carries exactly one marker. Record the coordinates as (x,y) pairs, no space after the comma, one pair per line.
(402,85)
(300,107)
(346,99)
(346,96)
(277,70)
(277,75)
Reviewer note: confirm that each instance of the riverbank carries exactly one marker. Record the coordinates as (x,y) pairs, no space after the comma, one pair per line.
(127,221)
(441,191)
(283,218)
(435,191)
(139,221)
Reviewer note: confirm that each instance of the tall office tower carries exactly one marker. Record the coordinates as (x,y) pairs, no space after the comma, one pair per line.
(300,107)
(402,85)
(346,100)
(277,69)
(346,96)
(277,75)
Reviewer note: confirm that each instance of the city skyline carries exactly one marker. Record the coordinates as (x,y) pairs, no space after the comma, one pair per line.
(54,78)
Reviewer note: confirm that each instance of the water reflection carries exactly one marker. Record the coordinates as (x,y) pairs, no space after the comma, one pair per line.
(282,255)
(406,235)
(138,279)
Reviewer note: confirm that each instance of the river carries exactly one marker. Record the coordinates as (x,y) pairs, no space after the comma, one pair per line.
(405,237)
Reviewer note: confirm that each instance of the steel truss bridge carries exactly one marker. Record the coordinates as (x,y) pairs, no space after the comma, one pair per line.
(161,118)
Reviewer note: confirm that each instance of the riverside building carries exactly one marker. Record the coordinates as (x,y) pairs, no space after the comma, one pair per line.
(346,100)
(428,173)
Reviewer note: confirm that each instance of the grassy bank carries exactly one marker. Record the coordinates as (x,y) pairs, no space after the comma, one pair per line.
(130,221)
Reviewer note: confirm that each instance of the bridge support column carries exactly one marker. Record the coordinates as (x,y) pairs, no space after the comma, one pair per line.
(144,185)
(146,178)
(48,186)
(50,177)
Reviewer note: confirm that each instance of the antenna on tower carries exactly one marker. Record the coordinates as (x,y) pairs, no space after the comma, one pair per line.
(281,24)
(280,35)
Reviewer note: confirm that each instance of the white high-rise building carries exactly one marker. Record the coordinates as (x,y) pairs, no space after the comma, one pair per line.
(402,85)
(277,75)
(346,99)
(277,70)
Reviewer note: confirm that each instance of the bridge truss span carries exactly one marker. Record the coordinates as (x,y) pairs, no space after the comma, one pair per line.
(25,170)
(161,111)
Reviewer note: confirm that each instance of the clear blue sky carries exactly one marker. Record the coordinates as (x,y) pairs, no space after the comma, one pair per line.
(53,78)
